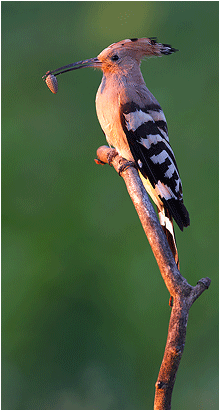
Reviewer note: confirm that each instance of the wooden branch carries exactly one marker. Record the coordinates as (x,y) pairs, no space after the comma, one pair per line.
(183,293)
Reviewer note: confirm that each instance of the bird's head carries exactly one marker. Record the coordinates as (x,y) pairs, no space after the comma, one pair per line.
(121,56)
(125,54)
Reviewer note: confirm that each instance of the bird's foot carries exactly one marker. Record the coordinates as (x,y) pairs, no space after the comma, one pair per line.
(113,153)
(125,166)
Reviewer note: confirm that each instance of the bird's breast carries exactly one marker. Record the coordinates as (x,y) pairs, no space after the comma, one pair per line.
(108,113)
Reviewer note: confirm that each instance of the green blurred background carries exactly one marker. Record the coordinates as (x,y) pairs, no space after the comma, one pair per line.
(84,308)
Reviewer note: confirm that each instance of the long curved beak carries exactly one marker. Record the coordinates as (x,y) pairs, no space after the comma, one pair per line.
(50,76)
(95,62)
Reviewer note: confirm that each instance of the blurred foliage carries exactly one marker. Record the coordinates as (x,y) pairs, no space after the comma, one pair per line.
(84,309)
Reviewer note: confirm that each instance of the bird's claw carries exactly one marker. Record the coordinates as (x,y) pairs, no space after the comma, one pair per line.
(125,166)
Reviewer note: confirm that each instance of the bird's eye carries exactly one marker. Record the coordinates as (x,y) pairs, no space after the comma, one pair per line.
(115,57)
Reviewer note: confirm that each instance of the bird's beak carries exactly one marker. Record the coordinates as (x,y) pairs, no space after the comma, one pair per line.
(74,66)
(50,76)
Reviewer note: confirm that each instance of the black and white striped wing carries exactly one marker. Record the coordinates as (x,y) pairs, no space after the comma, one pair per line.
(146,132)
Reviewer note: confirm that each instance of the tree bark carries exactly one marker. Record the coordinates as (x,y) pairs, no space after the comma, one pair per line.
(183,294)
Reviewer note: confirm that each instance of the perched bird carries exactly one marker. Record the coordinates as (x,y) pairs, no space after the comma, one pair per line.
(135,125)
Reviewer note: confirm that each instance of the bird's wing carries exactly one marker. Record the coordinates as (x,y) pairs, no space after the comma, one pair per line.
(146,132)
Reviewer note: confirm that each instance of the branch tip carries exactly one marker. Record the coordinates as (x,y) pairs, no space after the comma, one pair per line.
(205,282)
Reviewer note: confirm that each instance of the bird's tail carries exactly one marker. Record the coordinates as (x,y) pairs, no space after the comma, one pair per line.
(166,222)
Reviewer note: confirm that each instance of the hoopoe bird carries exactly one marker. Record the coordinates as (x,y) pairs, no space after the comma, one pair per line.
(135,125)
